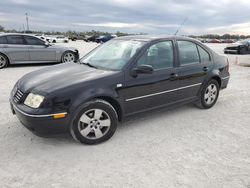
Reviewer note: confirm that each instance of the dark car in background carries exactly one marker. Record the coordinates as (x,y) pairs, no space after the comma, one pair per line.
(24,49)
(91,38)
(240,47)
(104,38)
(120,78)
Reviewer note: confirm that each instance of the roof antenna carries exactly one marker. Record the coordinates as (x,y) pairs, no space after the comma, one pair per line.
(184,21)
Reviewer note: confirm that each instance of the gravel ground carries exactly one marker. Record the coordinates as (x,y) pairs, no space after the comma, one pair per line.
(181,147)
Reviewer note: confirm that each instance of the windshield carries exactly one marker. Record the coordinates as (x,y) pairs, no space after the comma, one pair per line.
(112,55)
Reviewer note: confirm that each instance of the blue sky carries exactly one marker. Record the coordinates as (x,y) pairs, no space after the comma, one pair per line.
(133,16)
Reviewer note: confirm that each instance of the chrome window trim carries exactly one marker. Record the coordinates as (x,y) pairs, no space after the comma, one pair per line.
(162,92)
(36,116)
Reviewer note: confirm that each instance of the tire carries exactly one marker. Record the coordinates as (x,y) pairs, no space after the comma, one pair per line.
(54,41)
(95,122)
(3,61)
(209,95)
(68,56)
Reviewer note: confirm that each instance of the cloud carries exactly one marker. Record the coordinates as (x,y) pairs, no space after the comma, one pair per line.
(25,2)
(126,25)
(149,16)
(111,25)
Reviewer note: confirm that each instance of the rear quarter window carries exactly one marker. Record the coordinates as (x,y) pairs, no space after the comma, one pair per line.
(204,55)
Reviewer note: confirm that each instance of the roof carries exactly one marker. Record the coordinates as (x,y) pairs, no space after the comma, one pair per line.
(147,38)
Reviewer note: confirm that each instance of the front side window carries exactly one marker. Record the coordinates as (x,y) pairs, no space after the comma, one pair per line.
(188,53)
(113,55)
(159,56)
(3,40)
(15,39)
(33,41)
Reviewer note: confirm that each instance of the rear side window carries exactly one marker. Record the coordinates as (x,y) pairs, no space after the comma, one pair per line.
(188,53)
(15,39)
(159,55)
(33,41)
(204,55)
(3,40)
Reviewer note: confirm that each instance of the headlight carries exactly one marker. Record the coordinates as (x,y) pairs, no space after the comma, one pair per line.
(33,100)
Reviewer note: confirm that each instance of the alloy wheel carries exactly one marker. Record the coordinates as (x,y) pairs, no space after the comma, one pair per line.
(68,57)
(94,124)
(210,94)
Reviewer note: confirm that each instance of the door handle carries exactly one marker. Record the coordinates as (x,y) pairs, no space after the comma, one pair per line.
(173,76)
(205,69)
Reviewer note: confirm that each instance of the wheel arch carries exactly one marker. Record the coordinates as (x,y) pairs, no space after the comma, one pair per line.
(211,77)
(217,78)
(114,103)
(111,99)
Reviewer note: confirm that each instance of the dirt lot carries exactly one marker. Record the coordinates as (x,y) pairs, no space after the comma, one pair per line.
(181,147)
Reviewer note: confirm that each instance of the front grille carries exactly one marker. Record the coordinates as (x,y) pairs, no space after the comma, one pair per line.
(18,96)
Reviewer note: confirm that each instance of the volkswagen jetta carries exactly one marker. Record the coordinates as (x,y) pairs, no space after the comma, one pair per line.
(122,77)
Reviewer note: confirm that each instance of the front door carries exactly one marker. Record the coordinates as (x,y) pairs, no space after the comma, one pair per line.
(38,51)
(147,91)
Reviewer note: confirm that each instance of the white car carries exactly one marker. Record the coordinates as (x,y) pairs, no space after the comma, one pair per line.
(57,39)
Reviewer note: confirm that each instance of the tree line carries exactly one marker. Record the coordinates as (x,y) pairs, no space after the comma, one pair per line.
(67,33)
(118,33)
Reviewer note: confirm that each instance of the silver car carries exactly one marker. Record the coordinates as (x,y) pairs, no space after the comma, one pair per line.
(22,49)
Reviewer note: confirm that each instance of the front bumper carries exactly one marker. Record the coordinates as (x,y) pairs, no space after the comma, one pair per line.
(41,124)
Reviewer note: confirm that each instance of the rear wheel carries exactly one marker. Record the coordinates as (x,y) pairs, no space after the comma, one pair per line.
(95,122)
(209,95)
(3,61)
(68,57)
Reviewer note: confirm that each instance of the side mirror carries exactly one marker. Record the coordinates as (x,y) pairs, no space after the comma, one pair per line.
(142,69)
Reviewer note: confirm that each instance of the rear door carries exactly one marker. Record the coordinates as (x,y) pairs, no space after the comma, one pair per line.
(194,64)
(16,48)
(38,51)
(147,91)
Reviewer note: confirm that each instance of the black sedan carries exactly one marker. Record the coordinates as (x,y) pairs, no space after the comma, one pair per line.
(240,47)
(104,38)
(122,77)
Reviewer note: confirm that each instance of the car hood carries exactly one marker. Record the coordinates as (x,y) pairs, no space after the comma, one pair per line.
(47,80)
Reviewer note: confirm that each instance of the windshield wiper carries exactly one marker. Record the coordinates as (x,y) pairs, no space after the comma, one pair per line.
(90,65)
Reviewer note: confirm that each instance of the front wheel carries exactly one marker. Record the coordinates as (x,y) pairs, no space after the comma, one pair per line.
(95,122)
(68,57)
(209,95)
